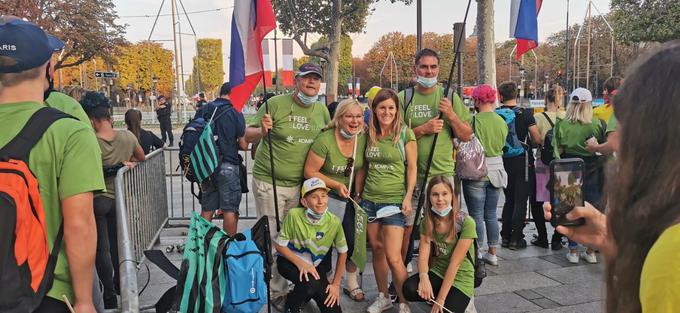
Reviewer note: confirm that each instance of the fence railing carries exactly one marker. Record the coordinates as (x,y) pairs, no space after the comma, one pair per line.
(141,214)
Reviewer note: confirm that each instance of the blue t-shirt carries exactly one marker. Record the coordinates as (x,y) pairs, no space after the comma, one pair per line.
(229,125)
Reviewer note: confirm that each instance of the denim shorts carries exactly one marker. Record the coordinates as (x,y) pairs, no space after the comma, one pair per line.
(372,208)
(223,190)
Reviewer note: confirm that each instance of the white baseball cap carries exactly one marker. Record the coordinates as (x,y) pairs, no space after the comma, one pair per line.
(311,185)
(582,95)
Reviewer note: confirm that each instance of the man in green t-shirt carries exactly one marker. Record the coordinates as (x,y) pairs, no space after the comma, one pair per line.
(429,112)
(66,161)
(294,121)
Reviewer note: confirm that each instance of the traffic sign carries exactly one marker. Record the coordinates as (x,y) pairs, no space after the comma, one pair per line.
(106,74)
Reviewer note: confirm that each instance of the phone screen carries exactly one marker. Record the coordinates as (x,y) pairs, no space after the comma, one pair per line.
(566,177)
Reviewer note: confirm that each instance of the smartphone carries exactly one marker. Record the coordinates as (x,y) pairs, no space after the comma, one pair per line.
(566,189)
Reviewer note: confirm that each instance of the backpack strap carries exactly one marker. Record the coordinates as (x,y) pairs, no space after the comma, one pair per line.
(20,146)
(552,125)
(409,93)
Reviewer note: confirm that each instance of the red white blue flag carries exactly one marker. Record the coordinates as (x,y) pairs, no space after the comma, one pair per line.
(251,22)
(524,24)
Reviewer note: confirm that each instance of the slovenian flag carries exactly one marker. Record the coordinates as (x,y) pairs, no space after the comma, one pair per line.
(252,21)
(524,24)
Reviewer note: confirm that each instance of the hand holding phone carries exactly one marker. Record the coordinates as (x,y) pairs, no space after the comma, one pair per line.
(566,190)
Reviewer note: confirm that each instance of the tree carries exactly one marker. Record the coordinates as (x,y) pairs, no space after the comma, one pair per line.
(486,58)
(88,27)
(330,18)
(138,63)
(208,68)
(637,21)
(345,62)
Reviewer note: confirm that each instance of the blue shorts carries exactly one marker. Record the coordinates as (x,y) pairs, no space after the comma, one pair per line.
(372,208)
(223,191)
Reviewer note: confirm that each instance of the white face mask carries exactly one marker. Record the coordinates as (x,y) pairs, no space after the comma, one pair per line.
(385,212)
(314,217)
(307,100)
(426,82)
(442,213)
(346,134)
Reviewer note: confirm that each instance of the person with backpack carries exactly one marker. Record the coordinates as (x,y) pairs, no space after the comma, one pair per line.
(118,148)
(388,186)
(53,142)
(545,121)
(223,190)
(446,270)
(518,161)
(336,155)
(163,112)
(569,141)
(425,109)
(309,233)
(294,120)
(482,194)
(148,140)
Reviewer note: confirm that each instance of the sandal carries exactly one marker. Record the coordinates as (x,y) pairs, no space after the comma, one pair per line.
(355,294)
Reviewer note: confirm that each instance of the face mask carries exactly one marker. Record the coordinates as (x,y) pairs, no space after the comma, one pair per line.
(345,134)
(50,80)
(306,100)
(442,213)
(313,216)
(426,82)
(385,212)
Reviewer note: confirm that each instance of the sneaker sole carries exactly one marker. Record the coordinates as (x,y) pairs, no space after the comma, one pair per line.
(383,309)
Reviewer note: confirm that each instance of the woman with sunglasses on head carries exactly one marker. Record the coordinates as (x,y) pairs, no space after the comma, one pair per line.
(391,157)
(337,154)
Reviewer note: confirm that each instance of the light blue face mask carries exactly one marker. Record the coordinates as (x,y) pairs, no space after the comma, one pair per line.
(385,212)
(426,82)
(345,134)
(444,213)
(307,100)
(313,216)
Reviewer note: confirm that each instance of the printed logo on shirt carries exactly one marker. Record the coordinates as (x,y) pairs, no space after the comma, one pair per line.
(319,235)
(422,111)
(373,152)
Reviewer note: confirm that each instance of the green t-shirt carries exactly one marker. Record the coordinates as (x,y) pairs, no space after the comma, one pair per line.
(465,278)
(311,242)
(66,161)
(572,136)
(660,280)
(295,128)
(67,105)
(612,124)
(491,131)
(386,176)
(116,151)
(326,147)
(422,109)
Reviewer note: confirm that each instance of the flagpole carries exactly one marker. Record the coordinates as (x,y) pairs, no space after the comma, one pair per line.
(271,154)
(421,197)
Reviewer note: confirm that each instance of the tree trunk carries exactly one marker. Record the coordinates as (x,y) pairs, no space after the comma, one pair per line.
(334,53)
(486,49)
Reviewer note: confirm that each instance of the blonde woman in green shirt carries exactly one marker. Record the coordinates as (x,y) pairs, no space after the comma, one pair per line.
(337,154)
(391,158)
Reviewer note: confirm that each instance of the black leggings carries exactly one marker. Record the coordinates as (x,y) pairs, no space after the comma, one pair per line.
(107,243)
(305,290)
(456,300)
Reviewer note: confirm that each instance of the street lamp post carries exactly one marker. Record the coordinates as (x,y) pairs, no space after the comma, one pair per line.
(154,93)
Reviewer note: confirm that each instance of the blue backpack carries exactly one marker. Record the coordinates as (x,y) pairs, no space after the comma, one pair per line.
(513,146)
(246,290)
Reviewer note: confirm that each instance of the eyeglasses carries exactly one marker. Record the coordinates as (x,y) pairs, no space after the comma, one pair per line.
(348,168)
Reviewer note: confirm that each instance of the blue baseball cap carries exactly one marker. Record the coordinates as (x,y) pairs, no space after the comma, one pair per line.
(26,44)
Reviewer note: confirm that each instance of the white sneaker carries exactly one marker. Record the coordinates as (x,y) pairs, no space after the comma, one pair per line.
(404,308)
(589,257)
(572,257)
(409,268)
(381,304)
(490,259)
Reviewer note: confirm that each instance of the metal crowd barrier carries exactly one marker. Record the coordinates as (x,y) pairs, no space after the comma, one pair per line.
(141,214)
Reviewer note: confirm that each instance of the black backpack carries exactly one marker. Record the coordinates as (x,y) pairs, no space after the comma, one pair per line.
(546,147)
(190,135)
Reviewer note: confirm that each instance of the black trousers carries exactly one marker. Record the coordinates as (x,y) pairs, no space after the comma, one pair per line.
(107,243)
(305,290)
(166,129)
(516,197)
(456,300)
(537,211)
(51,305)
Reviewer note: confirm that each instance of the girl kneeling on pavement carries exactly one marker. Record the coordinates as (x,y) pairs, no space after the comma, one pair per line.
(306,236)
(445,269)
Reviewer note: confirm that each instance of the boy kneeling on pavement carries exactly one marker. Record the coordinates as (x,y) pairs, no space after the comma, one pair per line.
(306,236)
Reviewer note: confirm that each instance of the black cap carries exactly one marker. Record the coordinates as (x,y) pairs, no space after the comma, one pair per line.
(308,68)
(201,95)
(225,90)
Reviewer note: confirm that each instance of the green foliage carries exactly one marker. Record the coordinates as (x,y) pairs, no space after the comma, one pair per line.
(345,69)
(209,63)
(135,68)
(644,21)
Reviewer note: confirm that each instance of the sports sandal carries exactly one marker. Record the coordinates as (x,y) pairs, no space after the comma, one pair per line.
(356,294)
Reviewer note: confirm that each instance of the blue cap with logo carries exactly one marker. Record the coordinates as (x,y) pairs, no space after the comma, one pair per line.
(25,44)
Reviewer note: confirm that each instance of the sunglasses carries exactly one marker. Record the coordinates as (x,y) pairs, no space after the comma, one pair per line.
(348,168)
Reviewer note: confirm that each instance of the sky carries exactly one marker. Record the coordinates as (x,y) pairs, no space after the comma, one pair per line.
(438,16)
